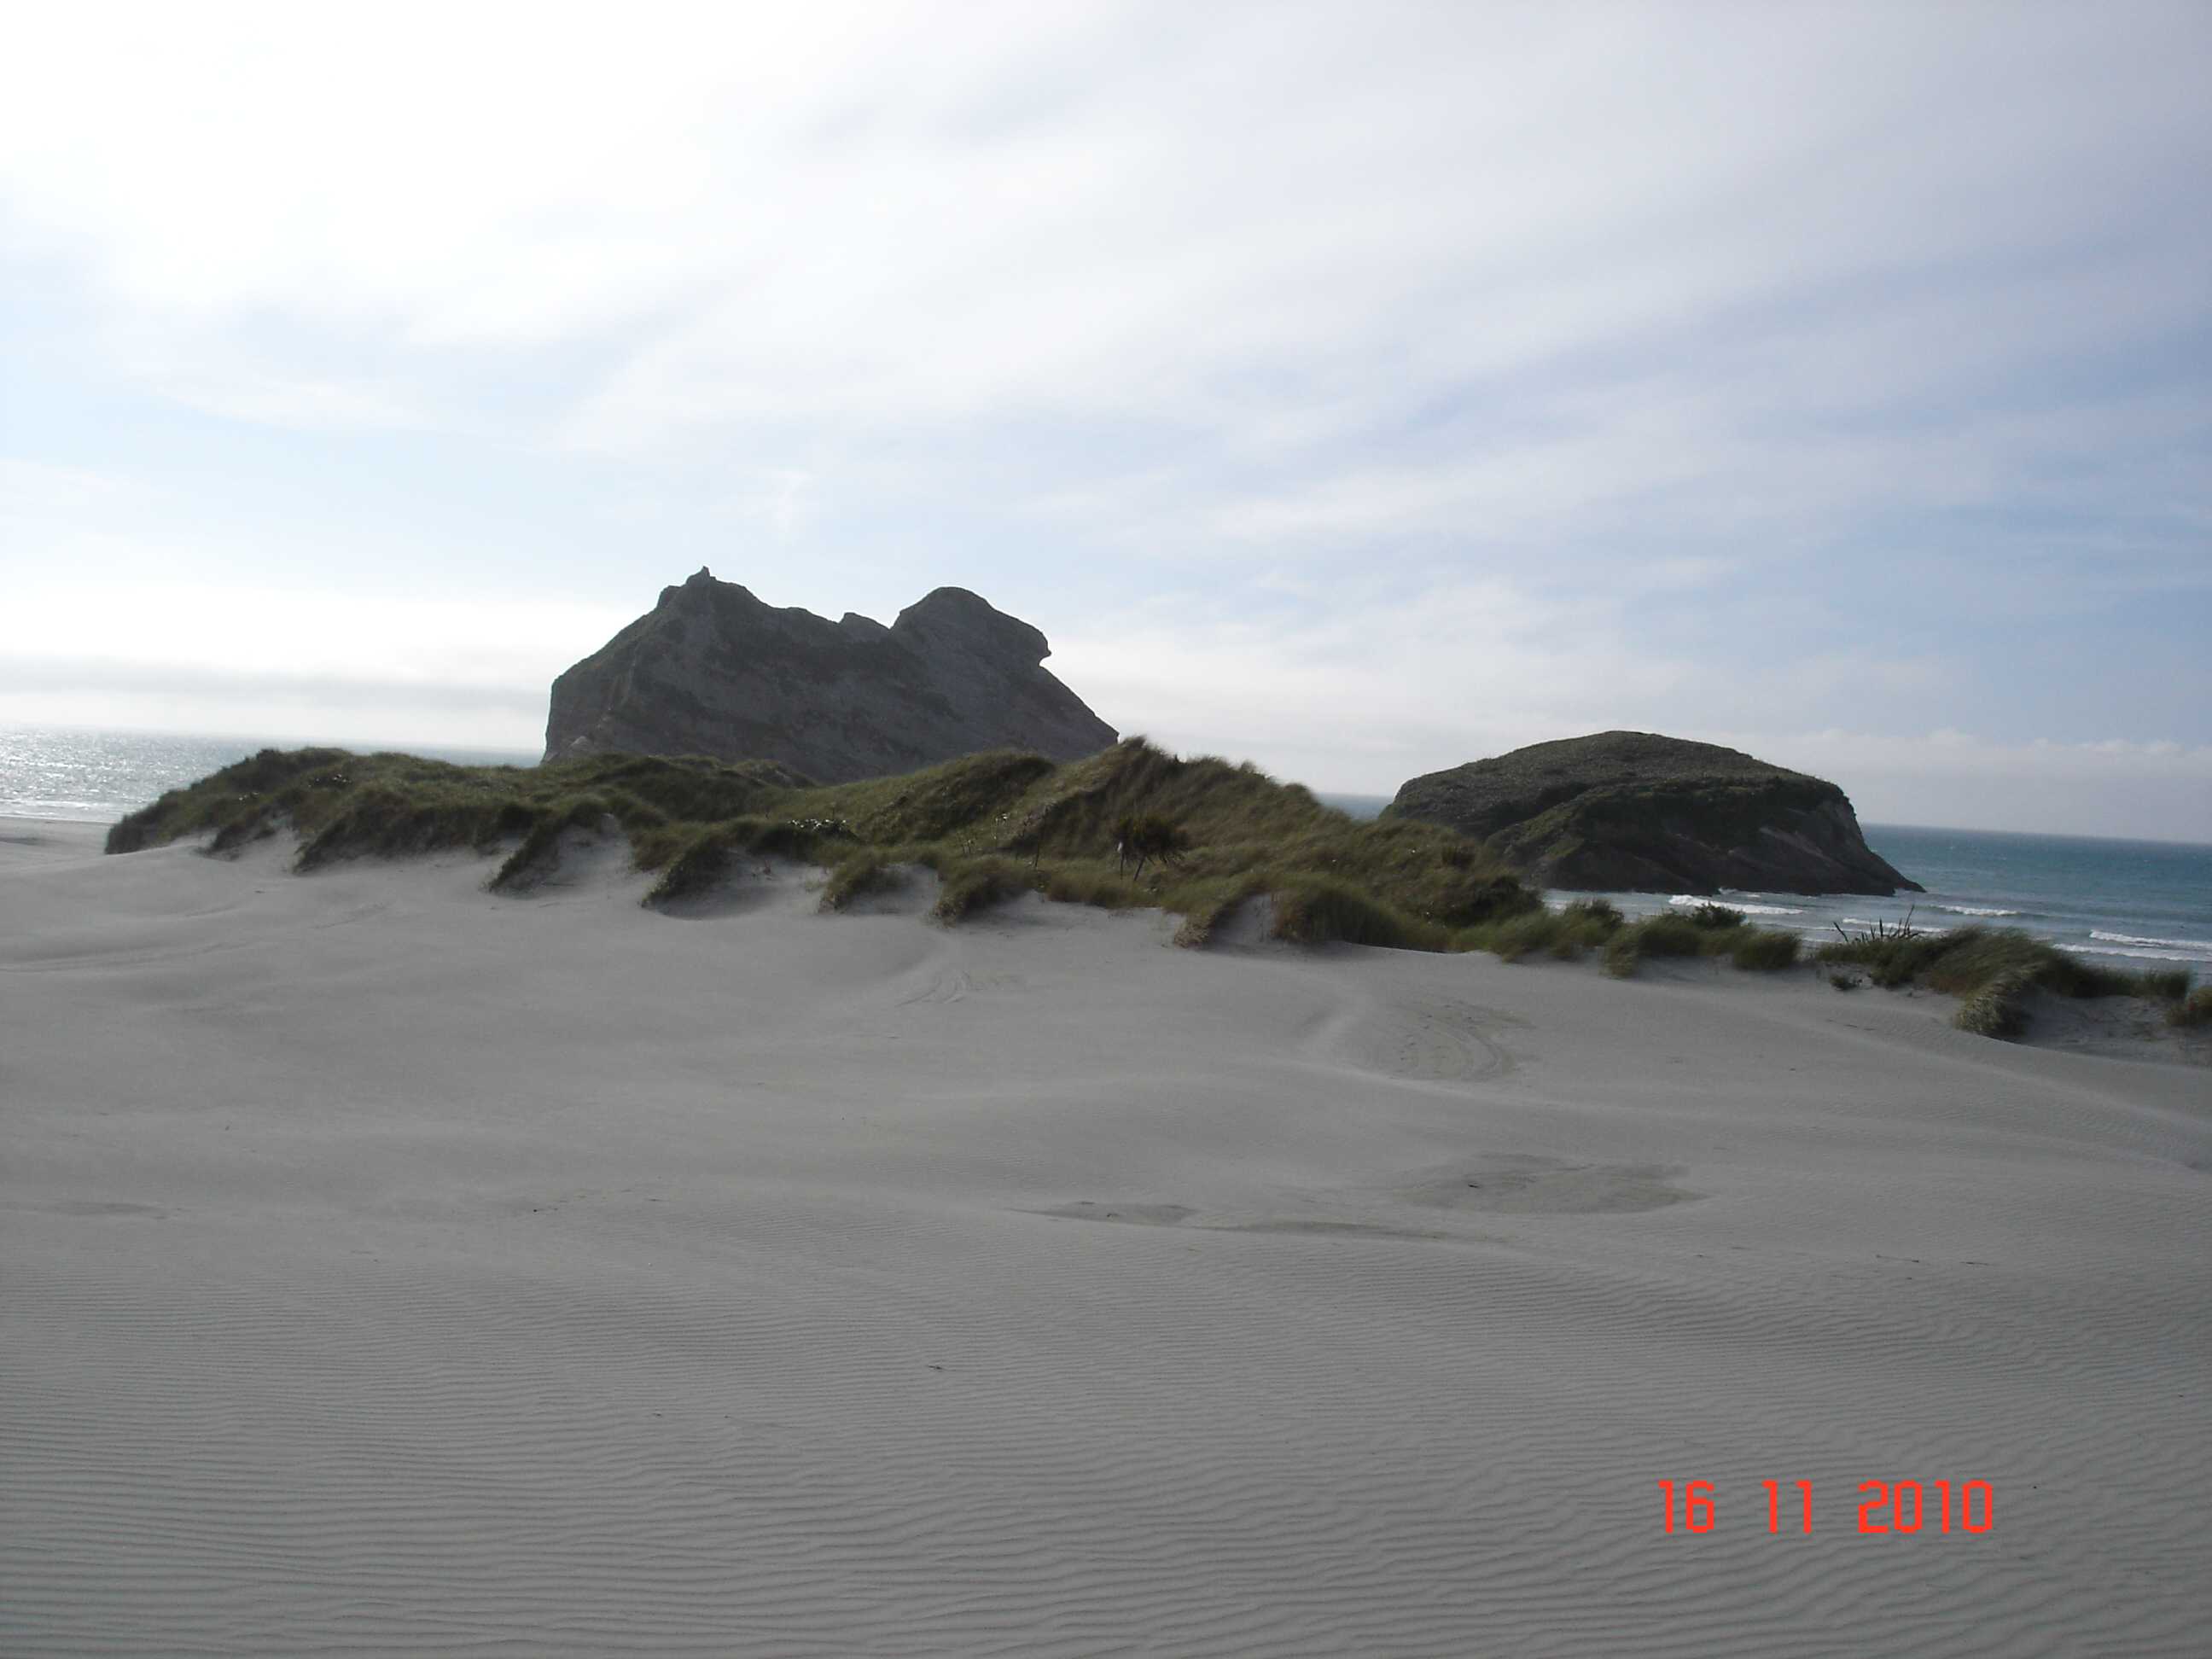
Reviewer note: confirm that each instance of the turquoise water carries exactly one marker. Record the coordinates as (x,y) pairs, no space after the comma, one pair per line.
(2137,903)
(2128,902)
(2131,903)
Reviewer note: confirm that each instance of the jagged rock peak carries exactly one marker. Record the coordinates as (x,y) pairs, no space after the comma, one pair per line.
(712,670)
(1639,812)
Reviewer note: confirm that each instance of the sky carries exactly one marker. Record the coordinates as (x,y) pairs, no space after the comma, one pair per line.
(1357,389)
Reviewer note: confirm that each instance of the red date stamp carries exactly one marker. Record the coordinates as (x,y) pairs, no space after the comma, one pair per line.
(1893,1506)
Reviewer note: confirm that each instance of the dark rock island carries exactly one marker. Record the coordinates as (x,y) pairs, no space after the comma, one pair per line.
(712,670)
(1633,811)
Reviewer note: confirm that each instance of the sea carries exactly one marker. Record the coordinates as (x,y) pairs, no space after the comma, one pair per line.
(95,777)
(2136,903)
(2128,903)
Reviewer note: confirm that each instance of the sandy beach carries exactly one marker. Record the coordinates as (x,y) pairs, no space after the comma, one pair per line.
(391,1267)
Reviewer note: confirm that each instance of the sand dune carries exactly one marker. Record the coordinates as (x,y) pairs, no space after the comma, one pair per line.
(392,1267)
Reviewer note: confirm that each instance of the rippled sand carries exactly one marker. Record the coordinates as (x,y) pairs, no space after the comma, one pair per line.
(389,1267)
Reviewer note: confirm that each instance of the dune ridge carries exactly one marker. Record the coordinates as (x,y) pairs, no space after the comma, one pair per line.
(392,1266)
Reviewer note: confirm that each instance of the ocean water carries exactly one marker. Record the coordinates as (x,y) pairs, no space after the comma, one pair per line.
(2130,902)
(95,777)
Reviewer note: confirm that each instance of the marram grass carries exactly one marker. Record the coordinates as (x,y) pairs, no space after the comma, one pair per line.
(990,825)
(998,824)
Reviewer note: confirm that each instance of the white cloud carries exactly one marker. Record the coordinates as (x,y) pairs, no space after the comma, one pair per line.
(1415,356)
(840,212)
(202,636)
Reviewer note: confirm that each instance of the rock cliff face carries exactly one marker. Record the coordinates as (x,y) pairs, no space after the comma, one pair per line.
(712,670)
(1633,811)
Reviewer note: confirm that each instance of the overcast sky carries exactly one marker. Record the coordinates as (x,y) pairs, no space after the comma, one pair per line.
(1358,388)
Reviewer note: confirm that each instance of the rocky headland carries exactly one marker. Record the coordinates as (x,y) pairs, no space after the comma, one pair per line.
(1635,812)
(712,670)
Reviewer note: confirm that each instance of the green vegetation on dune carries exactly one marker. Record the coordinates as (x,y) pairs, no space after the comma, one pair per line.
(1963,960)
(1129,827)
(991,825)
(858,873)
(343,805)
(1584,925)
(1992,969)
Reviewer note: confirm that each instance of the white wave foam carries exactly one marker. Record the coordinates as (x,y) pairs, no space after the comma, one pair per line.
(1691,899)
(1975,911)
(2204,945)
(2139,953)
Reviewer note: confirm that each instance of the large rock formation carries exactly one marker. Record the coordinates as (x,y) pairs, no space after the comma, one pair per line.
(712,670)
(1633,811)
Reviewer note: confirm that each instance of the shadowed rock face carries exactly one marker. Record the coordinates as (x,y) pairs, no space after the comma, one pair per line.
(1633,811)
(712,670)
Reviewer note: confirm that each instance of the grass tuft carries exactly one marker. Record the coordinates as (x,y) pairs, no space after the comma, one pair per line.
(1667,935)
(533,859)
(856,874)
(1595,919)
(698,868)
(969,889)
(1317,910)
(1993,1009)
(1213,832)
(1207,910)
(1963,961)
(2195,1009)
(1765,952)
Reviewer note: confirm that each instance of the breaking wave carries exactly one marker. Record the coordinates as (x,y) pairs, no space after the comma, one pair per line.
(1689,900)
(2198,944)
